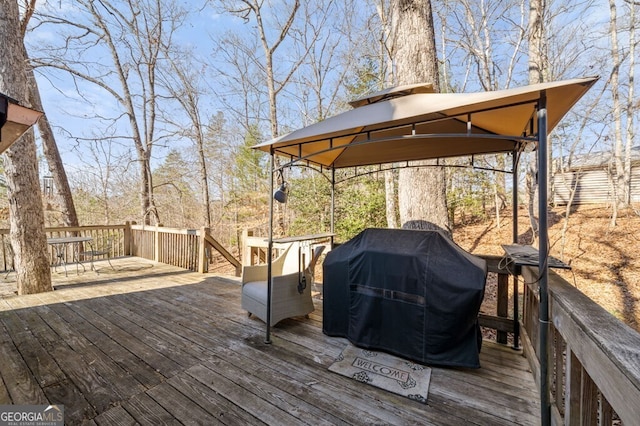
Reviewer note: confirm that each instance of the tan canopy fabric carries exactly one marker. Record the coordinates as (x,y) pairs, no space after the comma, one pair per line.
(15,120)
(422,125)
(392,92)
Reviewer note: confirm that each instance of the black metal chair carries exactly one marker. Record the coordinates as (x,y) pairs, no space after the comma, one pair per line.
(97,251)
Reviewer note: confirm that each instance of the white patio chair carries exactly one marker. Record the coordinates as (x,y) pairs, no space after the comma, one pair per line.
(291,288)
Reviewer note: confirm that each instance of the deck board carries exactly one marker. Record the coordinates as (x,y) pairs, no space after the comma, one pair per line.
(146,410)
(154,344)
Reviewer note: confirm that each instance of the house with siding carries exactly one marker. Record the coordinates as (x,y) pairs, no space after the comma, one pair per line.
(592,177)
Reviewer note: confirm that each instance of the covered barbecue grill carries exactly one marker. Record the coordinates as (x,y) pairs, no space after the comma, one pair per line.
(415,294)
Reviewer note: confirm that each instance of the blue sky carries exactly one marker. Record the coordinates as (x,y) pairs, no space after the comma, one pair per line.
(72,106)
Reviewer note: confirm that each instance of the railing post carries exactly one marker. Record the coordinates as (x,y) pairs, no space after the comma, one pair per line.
(247,255)
(573,384)
(202,247)
(156,244)
(127,238)
(503,304)
(559,373)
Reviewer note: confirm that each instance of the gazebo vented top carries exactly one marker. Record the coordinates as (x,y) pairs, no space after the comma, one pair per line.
(415,124)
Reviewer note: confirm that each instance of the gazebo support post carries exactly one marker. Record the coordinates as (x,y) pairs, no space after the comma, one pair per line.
(267,338)
(514,175)
(333,203)
(514,214)
(543,271)
(519,102)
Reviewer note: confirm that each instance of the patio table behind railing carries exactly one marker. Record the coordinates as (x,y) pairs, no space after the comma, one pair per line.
(99,234)
(186,248)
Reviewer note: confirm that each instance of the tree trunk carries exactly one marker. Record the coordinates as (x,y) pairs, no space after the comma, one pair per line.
(421,191)
(532,186)
(25,203)
(390,198)
(537,66)
(617,110)
(204,181)
(52,154)
(500,188)
(630,107)
(536,41)
(150,210)
(386,75)
(49,146)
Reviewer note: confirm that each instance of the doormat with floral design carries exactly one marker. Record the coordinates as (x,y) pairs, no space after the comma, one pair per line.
(384,371)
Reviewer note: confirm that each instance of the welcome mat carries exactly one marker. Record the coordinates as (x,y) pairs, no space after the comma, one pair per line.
(384,371)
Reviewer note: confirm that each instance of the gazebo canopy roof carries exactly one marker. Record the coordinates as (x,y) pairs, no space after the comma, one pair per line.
(411,123)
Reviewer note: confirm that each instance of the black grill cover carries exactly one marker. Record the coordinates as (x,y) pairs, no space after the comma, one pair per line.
(415,294)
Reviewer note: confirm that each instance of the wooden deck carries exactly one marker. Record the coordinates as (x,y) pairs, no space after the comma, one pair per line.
(154,344)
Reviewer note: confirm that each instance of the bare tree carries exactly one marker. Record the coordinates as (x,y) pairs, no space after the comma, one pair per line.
(537,66)
(52,155)
(49,146)
(239,76)
(383,8)
(618,185)
(183,82)
(175,192)
(319,40)
(622,141)
(105,184)
(103,164)
(253,10)
(116,48)
(338,57)
(421,191)
(470,29)
(25,203)
(273,26)
(631,108)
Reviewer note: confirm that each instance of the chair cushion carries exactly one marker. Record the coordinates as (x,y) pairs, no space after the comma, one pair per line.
(256,290)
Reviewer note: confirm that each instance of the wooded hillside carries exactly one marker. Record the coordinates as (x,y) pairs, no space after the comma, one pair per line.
(605,261)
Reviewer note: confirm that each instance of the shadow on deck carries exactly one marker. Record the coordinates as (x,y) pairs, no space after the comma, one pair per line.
(155,344)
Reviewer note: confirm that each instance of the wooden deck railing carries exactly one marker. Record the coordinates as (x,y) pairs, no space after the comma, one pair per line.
(594,365)
(186,248)
(99,234)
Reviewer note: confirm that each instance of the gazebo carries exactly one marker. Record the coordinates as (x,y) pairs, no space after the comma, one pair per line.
(15,120)
(408,123)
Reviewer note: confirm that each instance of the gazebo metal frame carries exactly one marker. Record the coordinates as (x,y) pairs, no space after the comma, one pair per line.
(409,123)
